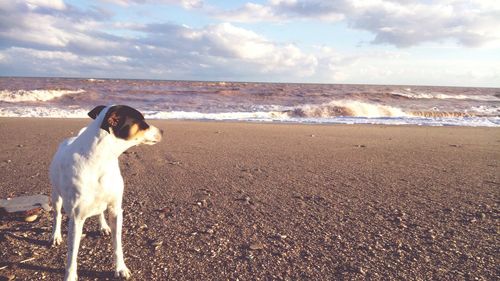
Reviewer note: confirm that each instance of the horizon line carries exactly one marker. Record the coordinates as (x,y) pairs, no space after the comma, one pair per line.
(242,81)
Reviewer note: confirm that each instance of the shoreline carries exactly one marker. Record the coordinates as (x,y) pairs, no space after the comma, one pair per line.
(227,200)
(274,122)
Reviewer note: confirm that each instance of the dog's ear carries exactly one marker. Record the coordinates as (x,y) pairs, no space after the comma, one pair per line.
(95,112)
(113,119)
(121,118)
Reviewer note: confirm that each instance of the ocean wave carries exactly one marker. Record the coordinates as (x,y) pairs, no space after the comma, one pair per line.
(486,110)
(269,116)
(35,95)
(52,112)
(44,112)
(351,108)
(346,108)
(441,96)
(223,116)
(383,115)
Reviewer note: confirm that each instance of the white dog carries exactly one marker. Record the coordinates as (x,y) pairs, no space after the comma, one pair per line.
(86,178)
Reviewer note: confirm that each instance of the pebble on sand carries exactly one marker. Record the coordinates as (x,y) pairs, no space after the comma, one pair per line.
(31,218)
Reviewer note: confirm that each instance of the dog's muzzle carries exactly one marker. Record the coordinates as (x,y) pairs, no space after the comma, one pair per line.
(153,135)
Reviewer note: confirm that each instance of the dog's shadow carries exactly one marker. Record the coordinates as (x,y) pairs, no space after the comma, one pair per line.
(31,265)
(82,272)
(29,240)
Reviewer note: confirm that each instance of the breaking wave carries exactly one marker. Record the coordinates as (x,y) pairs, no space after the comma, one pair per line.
(350,108)
(279,115)
(413,95)
(346,108)
(44,112)
(35,95)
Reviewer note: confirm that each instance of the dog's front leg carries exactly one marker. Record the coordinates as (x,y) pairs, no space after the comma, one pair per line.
(116,220)
(74,236)
(104,226)
(56,237)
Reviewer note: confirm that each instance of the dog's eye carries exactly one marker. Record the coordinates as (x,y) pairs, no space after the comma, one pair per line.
(124,132)
(143,125)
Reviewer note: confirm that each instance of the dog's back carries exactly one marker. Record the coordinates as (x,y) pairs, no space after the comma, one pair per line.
(57,160)
(64,168)
(60,158)
(79,175)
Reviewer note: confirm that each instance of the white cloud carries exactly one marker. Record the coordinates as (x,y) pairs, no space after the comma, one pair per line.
(49,24)
(37,29)
(404,69)
(250,12)
(283,10)
(230,48)
(407,24)
(48,38)
(187,4)
(65,42)
(26,61)
(400,23)
(52,4)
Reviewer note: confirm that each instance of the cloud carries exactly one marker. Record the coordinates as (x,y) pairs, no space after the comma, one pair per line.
(62,40)
(283,10)
(469,23)
(50,25)
(53,38)
(187,4)
(35,4)
(32,62)
(418,71)
(401,23)
(224,49)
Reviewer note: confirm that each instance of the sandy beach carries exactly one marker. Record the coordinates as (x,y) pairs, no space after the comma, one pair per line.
(247,201)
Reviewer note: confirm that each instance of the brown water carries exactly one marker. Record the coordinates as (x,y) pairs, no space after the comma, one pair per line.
(318,103)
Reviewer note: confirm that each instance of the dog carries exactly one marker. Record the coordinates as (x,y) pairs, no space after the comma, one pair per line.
(86,178)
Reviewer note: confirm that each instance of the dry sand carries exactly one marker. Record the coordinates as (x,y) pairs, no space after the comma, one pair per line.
(228,201)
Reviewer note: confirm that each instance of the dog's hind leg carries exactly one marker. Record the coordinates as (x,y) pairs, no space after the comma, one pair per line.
(56,237)
(116,220)
(74,235)
(105,229)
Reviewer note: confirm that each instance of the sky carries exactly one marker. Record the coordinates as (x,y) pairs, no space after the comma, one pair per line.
(397,42)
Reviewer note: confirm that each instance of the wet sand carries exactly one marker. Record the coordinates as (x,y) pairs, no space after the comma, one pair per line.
(228,201)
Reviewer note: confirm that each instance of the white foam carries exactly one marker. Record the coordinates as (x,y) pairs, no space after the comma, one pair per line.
(261,116)
(467,122)
(347,108)
(486,110)
(242,116)
(284,117)
(413,95)
(35,95)
(44,112)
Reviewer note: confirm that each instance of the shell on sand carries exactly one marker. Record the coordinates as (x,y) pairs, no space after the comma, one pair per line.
(31,218)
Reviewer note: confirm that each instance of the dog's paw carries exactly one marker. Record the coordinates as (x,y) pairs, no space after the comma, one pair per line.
(71,276)
(123,273)
(55,241)
(105,230)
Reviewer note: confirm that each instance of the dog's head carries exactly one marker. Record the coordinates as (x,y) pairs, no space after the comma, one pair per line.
(126,123)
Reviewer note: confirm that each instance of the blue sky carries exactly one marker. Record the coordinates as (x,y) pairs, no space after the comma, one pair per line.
(411,42)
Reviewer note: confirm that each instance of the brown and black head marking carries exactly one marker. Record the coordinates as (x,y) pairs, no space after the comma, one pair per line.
(125,122)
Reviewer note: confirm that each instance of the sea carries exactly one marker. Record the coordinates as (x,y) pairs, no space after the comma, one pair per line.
(254,102)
